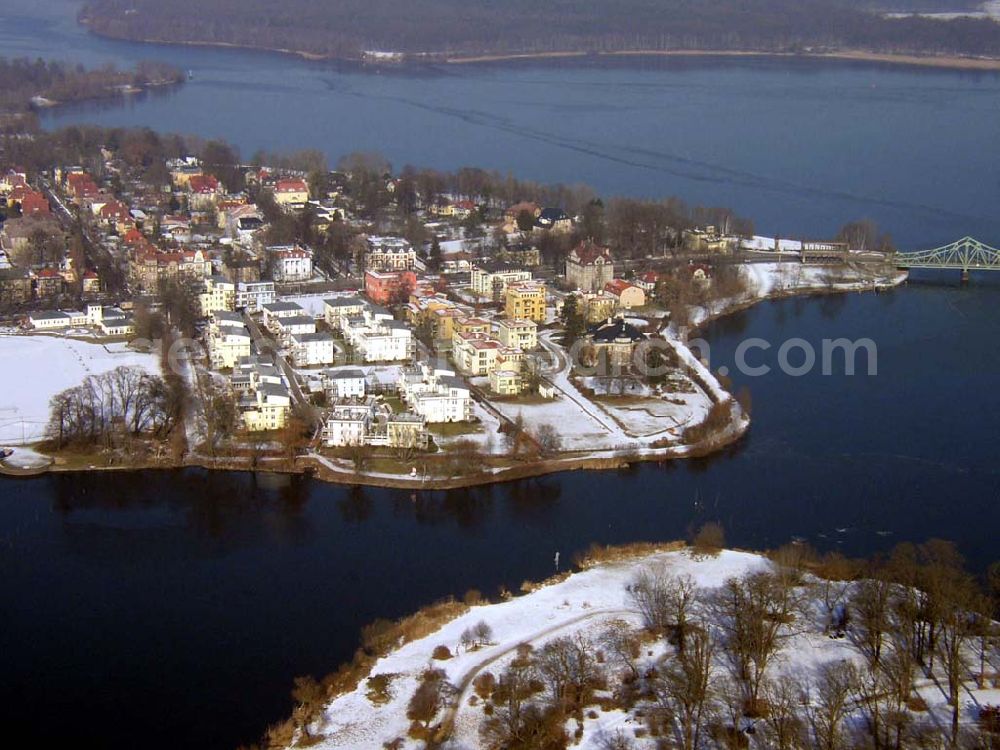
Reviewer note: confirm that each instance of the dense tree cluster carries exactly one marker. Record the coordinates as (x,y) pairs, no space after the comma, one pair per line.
(21,79)
(348,27)
(107,410)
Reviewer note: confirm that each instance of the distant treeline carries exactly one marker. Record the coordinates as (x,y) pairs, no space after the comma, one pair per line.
(348,27)
(22,79)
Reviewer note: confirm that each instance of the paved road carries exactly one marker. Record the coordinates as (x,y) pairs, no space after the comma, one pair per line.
(464,684)
(269,345)
(96,255)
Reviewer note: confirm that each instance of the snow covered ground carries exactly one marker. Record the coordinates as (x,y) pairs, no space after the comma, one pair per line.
(609,424)
(583,605)
(767,279)
(313,303)
(36,368)
(26,458)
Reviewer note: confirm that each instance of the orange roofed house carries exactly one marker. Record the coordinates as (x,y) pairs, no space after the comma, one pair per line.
(628,295)
(204,190)
(291,191)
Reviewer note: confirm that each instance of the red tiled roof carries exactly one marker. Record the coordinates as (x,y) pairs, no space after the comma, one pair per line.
(133,237)
(34,203)
(587,252)
(291,186)
(617,286)
(203,183)
(114,209)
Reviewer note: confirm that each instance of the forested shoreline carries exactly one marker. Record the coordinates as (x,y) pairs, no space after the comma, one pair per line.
(26,84)
(443,28)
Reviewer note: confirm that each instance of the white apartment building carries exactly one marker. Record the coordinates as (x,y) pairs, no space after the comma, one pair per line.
(219,294)
(292,326)
(274,311)
(371,423)
(228,340)
(376,337)
(436,395)
(267,408)
(252,296)
(347,424)
(290,262)
(338,308)
(506,382)
(492,280)
(518,334)
(344,383)
(311,349)
(389,254)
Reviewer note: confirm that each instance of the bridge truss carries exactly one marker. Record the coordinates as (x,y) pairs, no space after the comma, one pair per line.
(967,254)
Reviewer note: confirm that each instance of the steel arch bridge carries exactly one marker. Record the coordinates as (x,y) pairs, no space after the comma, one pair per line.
(967,254)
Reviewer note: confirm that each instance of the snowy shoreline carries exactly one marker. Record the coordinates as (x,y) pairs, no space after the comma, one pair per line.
(469,648)
(767,281)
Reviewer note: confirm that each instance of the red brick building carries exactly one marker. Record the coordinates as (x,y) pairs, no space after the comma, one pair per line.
(388,288)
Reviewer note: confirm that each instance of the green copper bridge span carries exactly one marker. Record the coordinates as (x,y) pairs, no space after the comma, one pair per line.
(965,255)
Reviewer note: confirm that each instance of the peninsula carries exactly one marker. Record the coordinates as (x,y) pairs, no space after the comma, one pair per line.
(411,329)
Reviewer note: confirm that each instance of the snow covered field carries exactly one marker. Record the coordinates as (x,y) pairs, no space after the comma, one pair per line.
(36,368)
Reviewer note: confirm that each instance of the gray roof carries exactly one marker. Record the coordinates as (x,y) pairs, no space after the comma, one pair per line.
(296,320)
(256,359)
(616,330)
(232,317)
(282,307)
(344,302)
(49,315)
(351,373)
(304,337)
(453,381)
(268,371)
(273,389)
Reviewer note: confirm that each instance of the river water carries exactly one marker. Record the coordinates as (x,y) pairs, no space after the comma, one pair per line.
(173,609)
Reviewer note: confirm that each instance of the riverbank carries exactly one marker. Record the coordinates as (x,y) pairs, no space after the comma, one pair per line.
(767,281)
(947,62)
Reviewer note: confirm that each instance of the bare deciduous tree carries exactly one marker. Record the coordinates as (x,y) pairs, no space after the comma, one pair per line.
(666,602)
(683,689)
(828,702)
(870,608)
(753,614)
(783,726)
